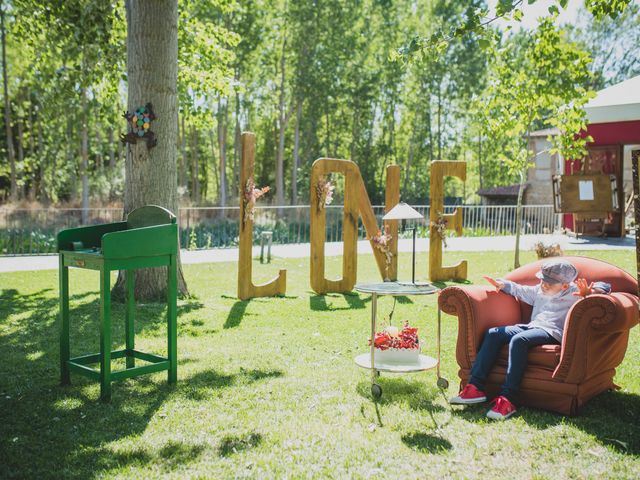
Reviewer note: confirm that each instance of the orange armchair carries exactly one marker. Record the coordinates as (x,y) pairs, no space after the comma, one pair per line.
(561,378)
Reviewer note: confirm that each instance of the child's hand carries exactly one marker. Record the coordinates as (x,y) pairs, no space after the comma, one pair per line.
(584,289)
(499,285)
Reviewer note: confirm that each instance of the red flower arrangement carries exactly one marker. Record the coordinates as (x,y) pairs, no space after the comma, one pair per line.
(324,191)
(382,242)
(391,337)
(440,226)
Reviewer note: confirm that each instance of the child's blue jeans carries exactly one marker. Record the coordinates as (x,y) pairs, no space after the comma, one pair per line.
(520,340)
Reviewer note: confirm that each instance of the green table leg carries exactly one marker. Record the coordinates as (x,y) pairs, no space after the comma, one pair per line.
(64,323)
(130,318)
(172,310)
(105,335)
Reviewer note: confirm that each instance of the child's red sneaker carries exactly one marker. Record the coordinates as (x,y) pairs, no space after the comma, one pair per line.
(469,394)
(502,409)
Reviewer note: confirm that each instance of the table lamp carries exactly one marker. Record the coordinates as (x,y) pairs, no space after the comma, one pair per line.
(402,211)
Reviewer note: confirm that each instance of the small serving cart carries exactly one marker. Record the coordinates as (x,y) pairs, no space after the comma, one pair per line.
(367,360)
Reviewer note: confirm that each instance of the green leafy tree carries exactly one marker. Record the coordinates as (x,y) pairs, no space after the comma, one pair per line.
(78,75)
(477,20)
(205,57)
(542,77)
(607,40)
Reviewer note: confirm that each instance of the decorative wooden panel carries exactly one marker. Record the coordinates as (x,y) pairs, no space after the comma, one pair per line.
(440,169)
(635,157)
(246,288)
(588,194)
(356,201)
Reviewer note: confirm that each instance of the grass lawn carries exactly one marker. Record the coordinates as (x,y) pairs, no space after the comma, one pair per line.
(268,389)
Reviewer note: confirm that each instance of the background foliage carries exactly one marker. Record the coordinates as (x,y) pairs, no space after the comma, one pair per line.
(311,79)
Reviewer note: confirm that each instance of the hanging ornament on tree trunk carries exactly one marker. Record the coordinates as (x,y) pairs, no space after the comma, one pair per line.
(140,126)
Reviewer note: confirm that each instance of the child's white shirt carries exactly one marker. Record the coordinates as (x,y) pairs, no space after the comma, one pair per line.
(549,311)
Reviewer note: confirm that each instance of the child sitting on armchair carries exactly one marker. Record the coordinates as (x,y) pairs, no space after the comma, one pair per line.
(551,300)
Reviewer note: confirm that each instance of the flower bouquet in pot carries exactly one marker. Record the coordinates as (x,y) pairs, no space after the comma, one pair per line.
(397,346)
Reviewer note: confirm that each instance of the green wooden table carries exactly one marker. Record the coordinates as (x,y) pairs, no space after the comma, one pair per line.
(148,238)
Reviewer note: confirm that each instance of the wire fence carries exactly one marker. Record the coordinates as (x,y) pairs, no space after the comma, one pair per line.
(33,231)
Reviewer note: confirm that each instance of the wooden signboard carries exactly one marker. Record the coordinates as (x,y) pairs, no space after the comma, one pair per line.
(585,193)
(440,221)
(246,288)
(356,203)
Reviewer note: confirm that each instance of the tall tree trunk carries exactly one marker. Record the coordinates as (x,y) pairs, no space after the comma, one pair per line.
(443,129)
(182,167)
(112,164)
(31,193)
(44,197)
(151,174)
(98,148)
(222,147)
(195,170)
(523,177)
(392,136)
(327,140)
(72,160)
(112,150)
(390,157)
(214,168)
(204,175)
(236,146)
(430,132)
(21,143)
(296,156)
(281,131)
(523,180)
(355,133)
(480,157)
(407,172)
(84,155)
(439,126)
(7,112)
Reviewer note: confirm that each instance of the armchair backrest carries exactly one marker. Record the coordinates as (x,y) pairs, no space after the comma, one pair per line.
(590,269)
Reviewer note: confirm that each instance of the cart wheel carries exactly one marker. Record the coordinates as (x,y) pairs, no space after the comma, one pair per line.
(376,391)
(443,383)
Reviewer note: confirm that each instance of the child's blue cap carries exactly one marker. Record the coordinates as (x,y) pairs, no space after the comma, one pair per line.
(557,271)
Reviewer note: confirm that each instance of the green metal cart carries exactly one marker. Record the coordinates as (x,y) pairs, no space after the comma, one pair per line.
(148,238)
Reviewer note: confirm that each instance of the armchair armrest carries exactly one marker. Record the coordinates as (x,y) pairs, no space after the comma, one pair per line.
(478,308)
(596,335)
(90,236)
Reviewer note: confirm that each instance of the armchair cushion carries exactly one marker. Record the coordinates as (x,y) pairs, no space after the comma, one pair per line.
(546,356)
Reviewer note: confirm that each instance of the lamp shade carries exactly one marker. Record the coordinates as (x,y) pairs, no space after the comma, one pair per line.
(402,211)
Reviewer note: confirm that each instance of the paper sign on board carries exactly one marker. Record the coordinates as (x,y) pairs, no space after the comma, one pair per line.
(585,188)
